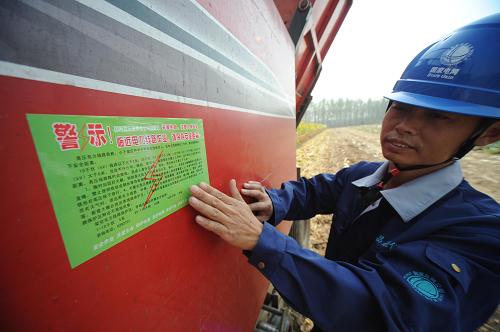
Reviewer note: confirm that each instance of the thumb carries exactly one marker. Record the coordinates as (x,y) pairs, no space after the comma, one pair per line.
(234,190)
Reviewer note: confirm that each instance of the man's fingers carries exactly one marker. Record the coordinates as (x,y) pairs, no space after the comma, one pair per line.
(257,194)
(233,189)
(207,210)
(211,225)
(215,193)
(253,185)
(258,206)
(211,197)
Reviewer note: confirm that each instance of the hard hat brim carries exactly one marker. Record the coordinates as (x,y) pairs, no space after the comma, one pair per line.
(444,105)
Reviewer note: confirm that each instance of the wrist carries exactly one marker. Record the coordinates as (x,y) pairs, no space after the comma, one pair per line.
(259,229)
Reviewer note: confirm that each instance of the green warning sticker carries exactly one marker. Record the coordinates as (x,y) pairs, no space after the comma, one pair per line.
(110,177)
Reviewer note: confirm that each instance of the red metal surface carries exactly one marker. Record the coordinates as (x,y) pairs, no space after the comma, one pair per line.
(287,9)
(324,23)
(268,37)
(172,276)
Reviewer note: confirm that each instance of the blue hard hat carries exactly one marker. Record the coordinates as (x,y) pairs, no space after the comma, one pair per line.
(459,74)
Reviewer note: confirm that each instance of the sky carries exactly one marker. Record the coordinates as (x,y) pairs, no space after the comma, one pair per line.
(380,37)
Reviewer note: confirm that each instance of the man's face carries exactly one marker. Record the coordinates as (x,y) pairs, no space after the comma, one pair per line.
(417,136)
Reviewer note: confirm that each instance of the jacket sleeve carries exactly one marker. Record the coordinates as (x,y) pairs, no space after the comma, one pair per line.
(305,198)
(411,288)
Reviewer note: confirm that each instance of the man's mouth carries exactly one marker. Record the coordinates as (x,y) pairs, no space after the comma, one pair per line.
(400,143)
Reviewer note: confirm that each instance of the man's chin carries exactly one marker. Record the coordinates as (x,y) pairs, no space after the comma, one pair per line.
(399,160)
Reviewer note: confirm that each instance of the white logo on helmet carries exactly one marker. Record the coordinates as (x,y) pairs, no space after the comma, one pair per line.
(447,67)
(457,54)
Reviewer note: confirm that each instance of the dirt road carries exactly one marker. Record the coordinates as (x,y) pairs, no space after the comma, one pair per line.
(336,148)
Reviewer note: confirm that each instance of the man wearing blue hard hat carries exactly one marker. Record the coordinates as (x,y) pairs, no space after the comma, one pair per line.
(413,247)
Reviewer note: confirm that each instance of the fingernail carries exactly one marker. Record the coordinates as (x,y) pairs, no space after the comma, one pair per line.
(193,188)
(193,200)
(244,190)
(203,185)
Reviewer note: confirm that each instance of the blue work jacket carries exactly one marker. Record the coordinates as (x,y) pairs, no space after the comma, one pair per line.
(435,266)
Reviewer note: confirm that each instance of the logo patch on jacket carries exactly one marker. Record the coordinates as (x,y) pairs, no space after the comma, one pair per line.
(382,242)
(425,285)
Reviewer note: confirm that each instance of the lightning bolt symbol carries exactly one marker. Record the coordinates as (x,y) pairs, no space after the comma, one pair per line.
(151,175)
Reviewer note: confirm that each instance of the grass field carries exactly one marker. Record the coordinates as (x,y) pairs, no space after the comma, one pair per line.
(492,148)
(307,130)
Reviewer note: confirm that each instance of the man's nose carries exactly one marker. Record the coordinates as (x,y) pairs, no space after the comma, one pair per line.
(410,122)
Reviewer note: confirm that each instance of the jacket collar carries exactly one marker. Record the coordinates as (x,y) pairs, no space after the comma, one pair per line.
(413,197)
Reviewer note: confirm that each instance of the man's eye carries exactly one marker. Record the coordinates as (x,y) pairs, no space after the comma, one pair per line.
(438,116)
(396,109)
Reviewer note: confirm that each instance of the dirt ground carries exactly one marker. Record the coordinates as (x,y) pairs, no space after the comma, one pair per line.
(333,149)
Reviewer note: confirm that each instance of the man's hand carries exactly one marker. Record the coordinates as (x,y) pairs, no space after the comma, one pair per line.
(263,208)
(228,217)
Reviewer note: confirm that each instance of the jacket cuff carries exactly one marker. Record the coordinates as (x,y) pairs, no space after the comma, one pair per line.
(268,253)
(278,212)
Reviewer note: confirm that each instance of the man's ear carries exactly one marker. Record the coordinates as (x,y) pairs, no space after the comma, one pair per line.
(490,135)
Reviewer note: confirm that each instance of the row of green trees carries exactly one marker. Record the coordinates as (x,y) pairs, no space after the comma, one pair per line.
(346,112)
